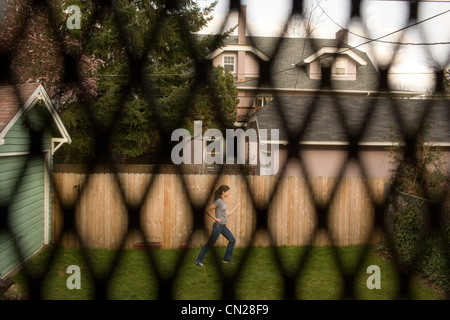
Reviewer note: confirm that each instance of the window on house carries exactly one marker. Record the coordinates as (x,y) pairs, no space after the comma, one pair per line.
(261,101)
(229,63)
(340,66)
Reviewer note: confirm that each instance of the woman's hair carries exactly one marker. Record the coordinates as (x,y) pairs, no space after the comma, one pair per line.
(223,188)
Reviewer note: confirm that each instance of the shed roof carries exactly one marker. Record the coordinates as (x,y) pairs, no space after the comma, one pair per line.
(12,98)
(324,118)
(15,100)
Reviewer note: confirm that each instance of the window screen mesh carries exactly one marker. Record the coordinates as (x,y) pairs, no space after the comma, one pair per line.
(278,192)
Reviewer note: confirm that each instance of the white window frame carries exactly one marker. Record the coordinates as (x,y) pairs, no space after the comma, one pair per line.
(225,63)
(261,100)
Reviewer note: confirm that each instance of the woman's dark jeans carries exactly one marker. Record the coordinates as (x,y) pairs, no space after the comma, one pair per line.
(218,229)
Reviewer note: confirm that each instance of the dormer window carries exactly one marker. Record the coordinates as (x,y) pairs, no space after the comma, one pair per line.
(340,66)
(229,63)
(343,63)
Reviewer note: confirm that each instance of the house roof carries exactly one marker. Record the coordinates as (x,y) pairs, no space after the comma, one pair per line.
(239,47)
(15,100)
(11,100)
(288,64)
(335,50)
(324,126)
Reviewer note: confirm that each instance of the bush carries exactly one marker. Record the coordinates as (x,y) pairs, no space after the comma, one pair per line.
(416,247)
(419,217)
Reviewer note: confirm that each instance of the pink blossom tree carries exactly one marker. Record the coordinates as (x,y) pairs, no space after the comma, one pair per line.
(38,42)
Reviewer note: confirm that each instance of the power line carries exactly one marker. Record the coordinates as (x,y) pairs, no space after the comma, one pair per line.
(391,42)
(442,1)
(370,40)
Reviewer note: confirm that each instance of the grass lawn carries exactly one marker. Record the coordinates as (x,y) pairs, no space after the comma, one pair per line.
(259,279)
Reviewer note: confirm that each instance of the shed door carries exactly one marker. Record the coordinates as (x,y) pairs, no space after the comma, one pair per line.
(26,207)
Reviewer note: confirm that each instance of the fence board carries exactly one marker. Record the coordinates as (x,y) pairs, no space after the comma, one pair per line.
(167,217)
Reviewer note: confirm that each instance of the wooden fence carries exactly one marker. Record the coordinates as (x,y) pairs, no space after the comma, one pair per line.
(166,215)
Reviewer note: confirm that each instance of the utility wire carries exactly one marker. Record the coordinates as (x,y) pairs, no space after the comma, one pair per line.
(391,42)
(370,40)
(423,1)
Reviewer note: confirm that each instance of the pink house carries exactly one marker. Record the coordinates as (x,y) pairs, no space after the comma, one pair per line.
(325,132)
(274,72)
(266,67)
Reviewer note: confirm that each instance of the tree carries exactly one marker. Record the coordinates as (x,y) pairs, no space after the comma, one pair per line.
(418,189)
(37,43)
(89,71)
(422,174)
(304,25)
(165,90)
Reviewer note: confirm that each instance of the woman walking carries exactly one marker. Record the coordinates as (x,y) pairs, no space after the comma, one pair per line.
(220,225)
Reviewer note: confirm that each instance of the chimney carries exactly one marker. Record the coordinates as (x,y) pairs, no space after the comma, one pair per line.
(342,36)
(242,24)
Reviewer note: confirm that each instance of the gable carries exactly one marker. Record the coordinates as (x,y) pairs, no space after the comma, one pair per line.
(332,51)
(251,63)
(289,70)
(37,119)
(12,98)
(26,105)
(236,48)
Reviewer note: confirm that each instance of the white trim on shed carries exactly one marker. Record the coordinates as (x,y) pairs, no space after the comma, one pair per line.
(39,95)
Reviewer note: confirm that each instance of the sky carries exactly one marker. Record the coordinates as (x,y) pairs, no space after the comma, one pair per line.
(412,66)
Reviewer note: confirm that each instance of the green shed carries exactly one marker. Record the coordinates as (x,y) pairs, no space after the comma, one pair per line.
(30,133)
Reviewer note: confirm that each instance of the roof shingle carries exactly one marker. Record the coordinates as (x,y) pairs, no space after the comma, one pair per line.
(287,71)
(12,98)
(324,119)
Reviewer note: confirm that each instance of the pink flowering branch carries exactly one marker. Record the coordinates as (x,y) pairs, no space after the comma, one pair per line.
(37,53)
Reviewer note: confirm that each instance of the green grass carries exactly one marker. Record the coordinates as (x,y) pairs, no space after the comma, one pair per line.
(134,278)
